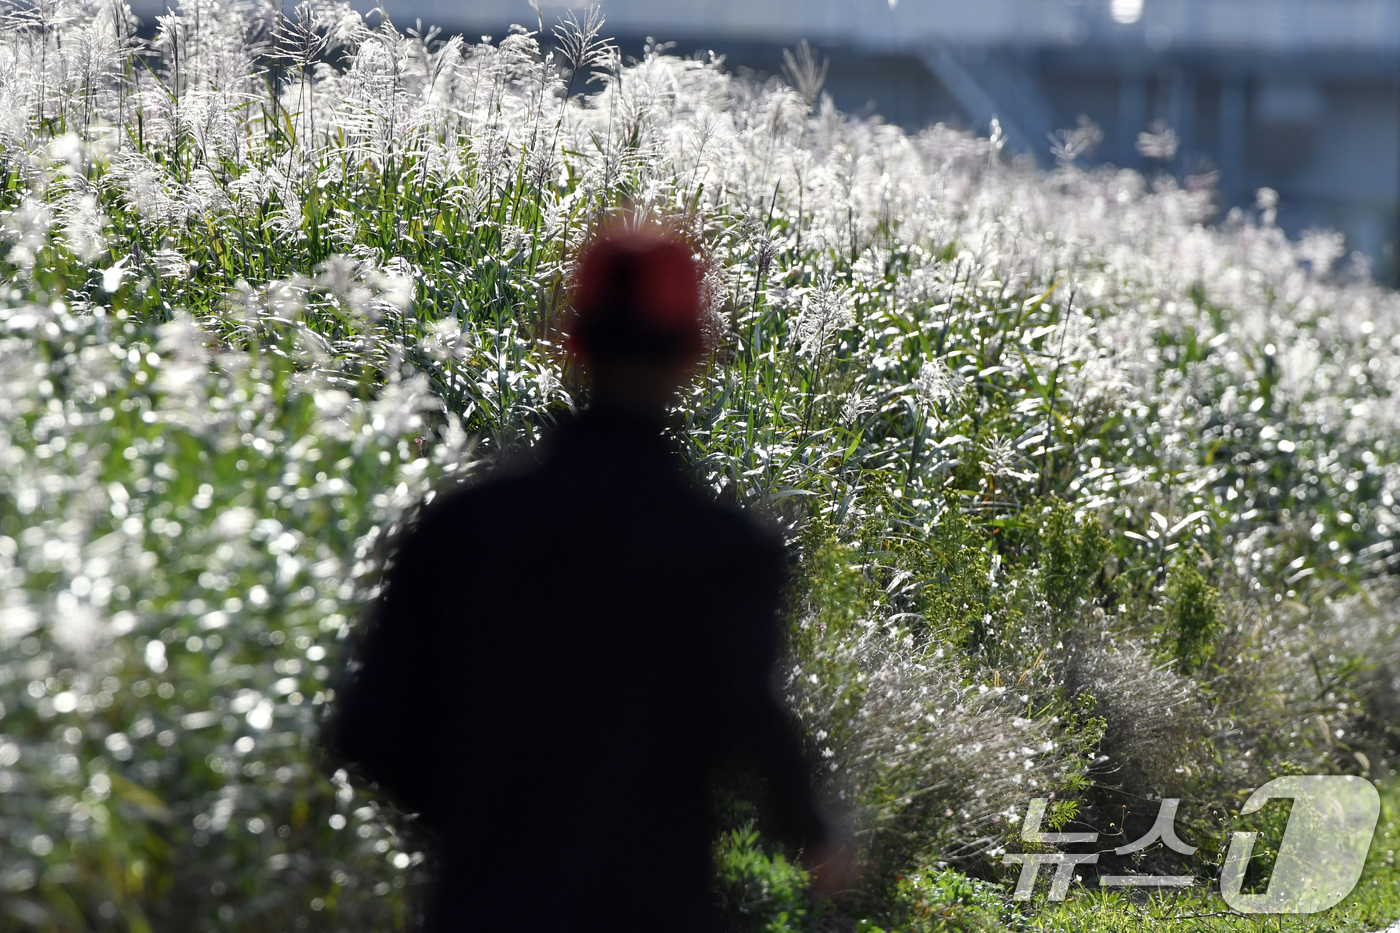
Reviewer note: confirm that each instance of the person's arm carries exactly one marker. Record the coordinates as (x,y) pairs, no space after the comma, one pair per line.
(764,735)
(767,735)
(389,703)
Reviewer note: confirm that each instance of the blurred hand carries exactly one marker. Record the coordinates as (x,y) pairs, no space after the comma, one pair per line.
(832,866)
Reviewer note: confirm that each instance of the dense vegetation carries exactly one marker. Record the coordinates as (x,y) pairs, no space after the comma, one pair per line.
(1091,500)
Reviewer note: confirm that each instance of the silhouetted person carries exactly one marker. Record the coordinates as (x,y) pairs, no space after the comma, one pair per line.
(564,657)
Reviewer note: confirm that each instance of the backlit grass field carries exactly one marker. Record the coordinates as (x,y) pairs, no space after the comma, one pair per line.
(1092,492)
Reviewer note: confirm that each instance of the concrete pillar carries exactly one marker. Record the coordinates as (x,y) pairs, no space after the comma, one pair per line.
(1132,117)
(1231,140)
(1182,115)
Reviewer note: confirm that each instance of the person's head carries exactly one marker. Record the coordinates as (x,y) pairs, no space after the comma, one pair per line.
(635,325)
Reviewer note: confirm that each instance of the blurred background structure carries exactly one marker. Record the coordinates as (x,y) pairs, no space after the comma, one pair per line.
(1302,96)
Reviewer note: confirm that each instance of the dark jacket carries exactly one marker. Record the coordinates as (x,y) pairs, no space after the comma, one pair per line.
(561,661)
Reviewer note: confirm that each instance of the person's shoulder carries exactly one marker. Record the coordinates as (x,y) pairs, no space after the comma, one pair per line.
(749,525)
(742,534)
(455,514)
(479,494)
(747,552)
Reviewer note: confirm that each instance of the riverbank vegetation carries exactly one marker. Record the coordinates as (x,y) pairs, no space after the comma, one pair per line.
(1092,492)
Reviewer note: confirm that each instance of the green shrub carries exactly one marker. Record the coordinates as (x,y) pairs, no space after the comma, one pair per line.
(1071,553)
(944,901)
(1193,613)
(759,891)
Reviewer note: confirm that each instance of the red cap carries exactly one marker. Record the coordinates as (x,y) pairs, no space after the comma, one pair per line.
(636,292)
